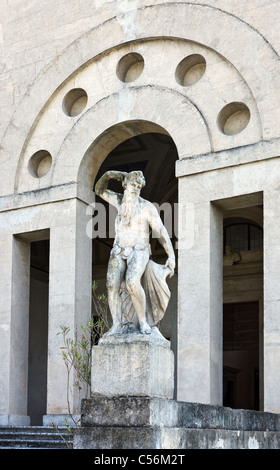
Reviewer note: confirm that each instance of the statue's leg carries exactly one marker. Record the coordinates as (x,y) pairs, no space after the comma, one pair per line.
(135,268)
(115,274)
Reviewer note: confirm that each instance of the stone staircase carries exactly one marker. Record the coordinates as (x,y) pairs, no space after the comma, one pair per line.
(34,437)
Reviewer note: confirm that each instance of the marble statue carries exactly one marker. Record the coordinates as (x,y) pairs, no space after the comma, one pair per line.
(138,294)
(230,257)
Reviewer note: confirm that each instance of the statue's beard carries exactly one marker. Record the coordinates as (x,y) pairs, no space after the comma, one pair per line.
(127,208)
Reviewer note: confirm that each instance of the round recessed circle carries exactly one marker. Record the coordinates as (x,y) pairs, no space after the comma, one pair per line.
(130,67)
(233,118)
(40,163)
(190,70)
(74,102)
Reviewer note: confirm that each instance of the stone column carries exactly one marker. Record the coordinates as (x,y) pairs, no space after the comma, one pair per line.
(271,322)
(69,301)
(200,298)
(14,310)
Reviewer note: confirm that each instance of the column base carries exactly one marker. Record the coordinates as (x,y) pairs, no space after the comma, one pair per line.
(14,420)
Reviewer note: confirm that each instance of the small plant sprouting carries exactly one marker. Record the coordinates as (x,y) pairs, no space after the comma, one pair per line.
(76,352)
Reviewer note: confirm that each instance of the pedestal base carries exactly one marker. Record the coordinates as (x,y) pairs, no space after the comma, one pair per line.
(152,423)
(133,365)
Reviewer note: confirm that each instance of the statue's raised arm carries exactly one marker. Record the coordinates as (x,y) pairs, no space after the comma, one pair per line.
(101,187)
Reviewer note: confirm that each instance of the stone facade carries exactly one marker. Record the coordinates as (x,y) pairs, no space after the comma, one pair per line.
(77,80)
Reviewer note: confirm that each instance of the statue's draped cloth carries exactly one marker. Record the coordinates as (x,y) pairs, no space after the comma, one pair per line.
(157,295)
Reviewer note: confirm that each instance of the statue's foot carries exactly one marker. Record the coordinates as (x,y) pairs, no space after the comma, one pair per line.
(145,329)
(115,329)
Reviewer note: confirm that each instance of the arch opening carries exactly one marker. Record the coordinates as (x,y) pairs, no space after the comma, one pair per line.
(155,154)
(109,140)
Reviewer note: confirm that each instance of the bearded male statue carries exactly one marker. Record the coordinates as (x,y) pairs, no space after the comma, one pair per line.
(137,290)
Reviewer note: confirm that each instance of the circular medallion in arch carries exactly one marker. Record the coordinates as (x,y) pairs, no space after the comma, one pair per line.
(40,163)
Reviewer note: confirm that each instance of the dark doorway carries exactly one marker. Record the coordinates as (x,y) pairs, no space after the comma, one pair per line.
(38,331)
(241,355)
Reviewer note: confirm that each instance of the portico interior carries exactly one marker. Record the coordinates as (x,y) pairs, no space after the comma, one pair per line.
(243,309)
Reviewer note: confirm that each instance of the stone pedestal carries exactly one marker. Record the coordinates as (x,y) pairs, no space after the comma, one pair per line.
(133,365)
(132,390)
(132,405)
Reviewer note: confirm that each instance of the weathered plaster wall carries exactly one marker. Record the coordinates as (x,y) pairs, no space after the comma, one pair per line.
(34,33)
(38,56)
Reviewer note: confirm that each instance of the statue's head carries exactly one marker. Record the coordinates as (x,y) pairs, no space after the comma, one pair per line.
(134,179)
(228,249)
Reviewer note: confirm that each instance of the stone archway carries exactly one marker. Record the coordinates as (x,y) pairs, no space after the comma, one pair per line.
(155,154)
(167,23)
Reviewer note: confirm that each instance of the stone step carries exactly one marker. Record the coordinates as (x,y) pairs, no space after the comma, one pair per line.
(32,444)
(34,437)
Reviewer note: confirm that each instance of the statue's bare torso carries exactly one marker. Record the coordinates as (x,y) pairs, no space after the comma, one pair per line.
(138,229)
